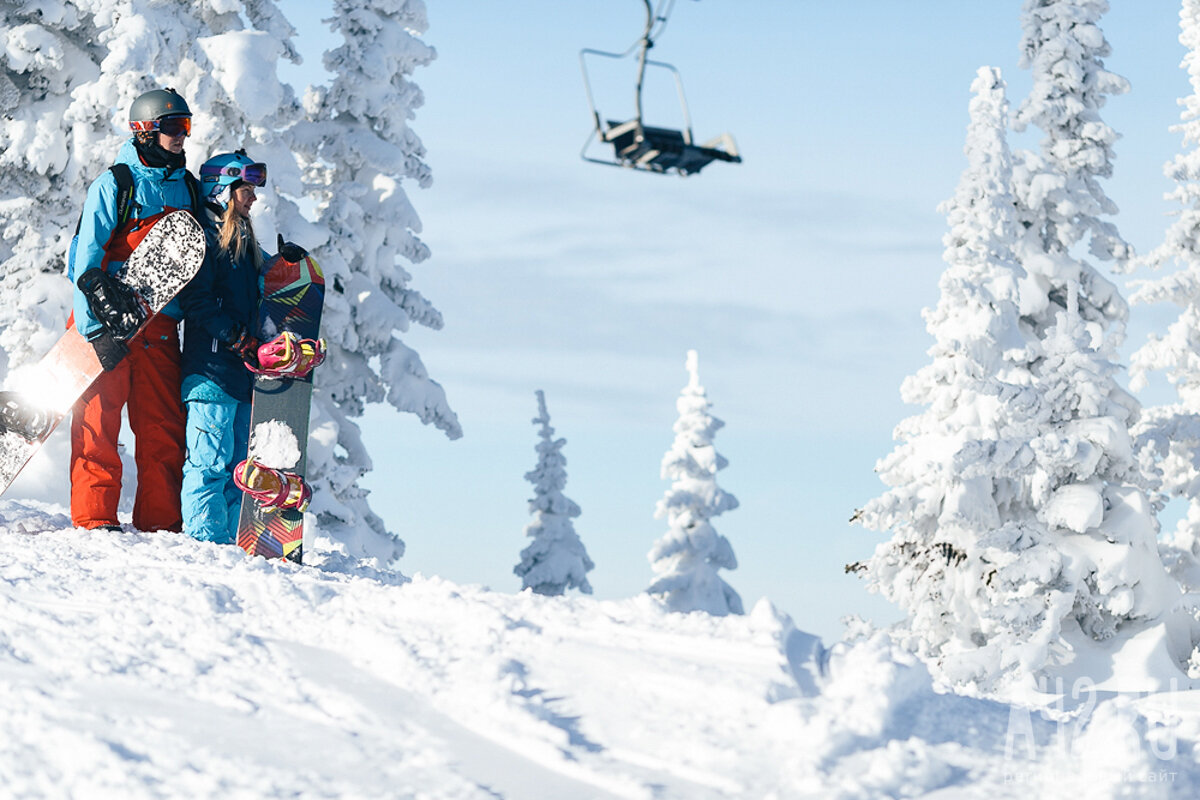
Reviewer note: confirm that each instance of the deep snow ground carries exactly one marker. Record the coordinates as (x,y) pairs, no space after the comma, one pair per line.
(149,666)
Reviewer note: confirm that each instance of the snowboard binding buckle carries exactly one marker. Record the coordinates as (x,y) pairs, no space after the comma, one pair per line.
(272,488)
(31,423)
(289,356)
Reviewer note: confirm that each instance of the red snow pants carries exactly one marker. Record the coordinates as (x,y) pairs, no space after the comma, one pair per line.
(147,380)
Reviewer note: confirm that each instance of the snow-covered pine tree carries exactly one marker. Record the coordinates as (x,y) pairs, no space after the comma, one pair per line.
(358,150)
(556,559)
(687,557)
(1011,499)
(43,56)
(46,54)
(69,70)
(1172,431)
(966,538)
(1085,479)
(1060,199)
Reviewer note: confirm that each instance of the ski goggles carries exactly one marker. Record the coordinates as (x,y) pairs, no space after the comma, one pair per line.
(253,174)
(170,126)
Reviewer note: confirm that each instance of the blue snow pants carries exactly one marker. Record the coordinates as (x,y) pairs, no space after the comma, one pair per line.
(217,434)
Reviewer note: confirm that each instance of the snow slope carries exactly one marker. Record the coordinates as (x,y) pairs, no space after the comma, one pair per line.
(149,665)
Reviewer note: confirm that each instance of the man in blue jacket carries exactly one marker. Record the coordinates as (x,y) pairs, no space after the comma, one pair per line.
(143,374)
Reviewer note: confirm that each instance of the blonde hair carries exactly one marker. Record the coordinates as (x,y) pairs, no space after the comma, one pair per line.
(237,236)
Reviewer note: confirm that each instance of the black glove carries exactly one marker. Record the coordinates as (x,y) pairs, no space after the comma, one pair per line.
(243,344)
(115,305)
(109,350)
(291,251)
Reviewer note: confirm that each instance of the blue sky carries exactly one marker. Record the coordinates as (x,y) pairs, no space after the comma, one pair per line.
(799,275)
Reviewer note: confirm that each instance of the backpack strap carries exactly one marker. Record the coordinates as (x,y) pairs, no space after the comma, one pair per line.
(125,193)
(124,177)
(193,187)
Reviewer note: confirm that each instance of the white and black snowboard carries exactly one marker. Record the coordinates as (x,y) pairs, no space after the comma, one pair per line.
(161,265)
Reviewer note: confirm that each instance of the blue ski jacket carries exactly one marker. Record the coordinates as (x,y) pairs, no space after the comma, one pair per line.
(222,298)
(157,191)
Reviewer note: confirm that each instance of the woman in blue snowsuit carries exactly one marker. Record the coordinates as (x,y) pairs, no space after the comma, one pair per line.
(220,308)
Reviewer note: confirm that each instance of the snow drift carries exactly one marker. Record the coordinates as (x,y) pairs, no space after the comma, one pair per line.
(148,665)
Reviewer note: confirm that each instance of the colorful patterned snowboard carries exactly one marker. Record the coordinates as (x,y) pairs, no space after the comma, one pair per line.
(161,265)
(293,296)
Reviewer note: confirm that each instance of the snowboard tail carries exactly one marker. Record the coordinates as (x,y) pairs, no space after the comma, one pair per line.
(162,264)
(278,535)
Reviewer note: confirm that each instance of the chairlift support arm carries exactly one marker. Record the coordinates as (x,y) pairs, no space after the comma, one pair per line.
(643,62)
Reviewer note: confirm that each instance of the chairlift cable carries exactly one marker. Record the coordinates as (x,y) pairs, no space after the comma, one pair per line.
(651,34)
(660,19)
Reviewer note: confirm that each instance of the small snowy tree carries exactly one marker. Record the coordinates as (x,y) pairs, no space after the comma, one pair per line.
(687,558)
(1173,430)
(556,559)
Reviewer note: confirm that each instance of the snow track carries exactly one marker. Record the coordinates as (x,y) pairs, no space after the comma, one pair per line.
(152,666)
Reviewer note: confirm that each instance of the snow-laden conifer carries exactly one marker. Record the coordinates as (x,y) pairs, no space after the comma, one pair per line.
(1173,430)
(556,559)
(358,153)
(1060,199)
(1016,517)
(687,558)
(41,60)
(966,537)
(69,70)
(1085,454)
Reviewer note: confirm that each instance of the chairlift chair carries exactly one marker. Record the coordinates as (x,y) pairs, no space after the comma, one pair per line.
(643,147)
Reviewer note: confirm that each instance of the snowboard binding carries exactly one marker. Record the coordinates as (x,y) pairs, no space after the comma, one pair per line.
(116,306)
(272,488)
(29,422)
(289,356)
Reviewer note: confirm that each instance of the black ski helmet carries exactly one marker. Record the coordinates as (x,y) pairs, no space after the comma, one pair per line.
(156,104)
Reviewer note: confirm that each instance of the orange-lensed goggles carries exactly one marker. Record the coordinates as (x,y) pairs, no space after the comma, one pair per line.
(169,126)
